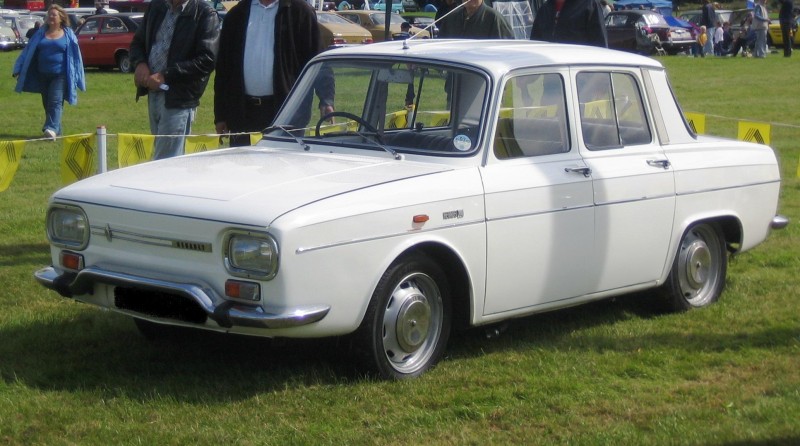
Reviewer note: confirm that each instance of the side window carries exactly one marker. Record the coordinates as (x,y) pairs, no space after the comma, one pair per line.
(533,118)
(113,25)
(611,110)
(90,27)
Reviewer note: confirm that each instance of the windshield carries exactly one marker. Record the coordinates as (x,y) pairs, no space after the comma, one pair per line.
(394,106)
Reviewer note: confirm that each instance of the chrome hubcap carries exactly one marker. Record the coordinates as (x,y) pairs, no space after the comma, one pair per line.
(412,322)
(699,265)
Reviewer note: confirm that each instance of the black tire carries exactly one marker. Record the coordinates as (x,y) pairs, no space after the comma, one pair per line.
(698,271)
(124,62)
(407,324)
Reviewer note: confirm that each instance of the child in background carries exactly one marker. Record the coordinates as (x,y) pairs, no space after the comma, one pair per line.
(700,43)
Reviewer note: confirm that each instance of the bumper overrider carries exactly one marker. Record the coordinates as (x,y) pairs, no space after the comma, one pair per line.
(224,312)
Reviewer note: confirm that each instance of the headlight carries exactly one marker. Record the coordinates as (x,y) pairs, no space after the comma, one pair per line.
(251,254)
(67,227)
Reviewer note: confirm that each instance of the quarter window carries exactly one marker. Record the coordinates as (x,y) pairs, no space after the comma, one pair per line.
(611,110)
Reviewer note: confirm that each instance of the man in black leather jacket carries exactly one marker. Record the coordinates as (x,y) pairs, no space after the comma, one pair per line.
(174,52)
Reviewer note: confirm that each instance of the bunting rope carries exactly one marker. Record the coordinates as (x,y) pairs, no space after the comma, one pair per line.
(79,157)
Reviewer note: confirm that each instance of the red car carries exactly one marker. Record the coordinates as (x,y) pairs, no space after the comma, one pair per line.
(105,40)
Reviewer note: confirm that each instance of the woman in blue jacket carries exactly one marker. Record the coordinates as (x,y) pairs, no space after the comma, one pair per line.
(51,65)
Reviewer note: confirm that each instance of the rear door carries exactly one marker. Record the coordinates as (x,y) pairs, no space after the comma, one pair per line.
(634,187)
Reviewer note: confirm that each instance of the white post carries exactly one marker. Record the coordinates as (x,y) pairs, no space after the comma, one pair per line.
(102,165)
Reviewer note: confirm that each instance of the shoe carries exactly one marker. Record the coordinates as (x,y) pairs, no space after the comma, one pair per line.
(49,134)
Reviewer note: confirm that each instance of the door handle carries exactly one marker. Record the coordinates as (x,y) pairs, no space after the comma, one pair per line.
(582,170)
(664,164)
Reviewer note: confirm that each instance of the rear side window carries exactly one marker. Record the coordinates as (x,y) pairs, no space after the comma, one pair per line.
(611,110)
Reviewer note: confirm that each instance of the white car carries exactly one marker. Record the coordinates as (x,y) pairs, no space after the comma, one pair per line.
(458,184)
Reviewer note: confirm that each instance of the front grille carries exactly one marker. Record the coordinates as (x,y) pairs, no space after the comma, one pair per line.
(159,304)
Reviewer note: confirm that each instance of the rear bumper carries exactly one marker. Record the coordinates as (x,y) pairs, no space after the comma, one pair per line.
(224,312)
(779,222)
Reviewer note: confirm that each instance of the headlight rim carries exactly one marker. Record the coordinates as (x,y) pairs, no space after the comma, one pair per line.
(246,273)
(61,243)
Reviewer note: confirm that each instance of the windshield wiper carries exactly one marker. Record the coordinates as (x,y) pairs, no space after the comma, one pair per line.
(287,129)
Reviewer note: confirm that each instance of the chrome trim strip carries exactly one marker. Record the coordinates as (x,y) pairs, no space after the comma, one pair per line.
(717,189)
(226,313)
(110,234)
(303,250)
(531,214)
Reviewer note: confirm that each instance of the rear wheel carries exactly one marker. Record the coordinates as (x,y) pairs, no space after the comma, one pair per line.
(698,272)
(124,62)
(407,324)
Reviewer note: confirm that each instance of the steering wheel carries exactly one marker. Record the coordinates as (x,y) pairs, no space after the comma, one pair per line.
(355,118)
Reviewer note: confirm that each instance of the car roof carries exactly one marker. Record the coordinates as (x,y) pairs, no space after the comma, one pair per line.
(497,56)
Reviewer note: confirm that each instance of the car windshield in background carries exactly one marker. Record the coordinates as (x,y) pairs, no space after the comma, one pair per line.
(397,107)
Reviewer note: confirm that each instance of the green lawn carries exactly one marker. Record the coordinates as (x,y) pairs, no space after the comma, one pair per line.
(614,372)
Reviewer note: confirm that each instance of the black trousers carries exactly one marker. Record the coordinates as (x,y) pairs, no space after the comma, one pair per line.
(258,115)
(786,31)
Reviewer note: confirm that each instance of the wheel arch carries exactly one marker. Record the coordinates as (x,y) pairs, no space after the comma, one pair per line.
(457,275)
(730,225)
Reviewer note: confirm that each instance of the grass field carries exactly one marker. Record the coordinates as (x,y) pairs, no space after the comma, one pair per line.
(613,372)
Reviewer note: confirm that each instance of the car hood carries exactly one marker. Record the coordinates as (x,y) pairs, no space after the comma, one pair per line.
(244,185)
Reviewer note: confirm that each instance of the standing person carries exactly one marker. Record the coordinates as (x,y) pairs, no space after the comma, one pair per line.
(709,19)
(475,20)
(51,65)
(760,25)
(786,17)
(33,30)
(700,42)
(174,52)
(606,7)
(580,22)
(719,34)
(264,45)
(100,8)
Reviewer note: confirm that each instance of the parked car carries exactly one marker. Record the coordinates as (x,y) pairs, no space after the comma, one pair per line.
(409,5)
(634,30)
(21,24)
(426,23)
(105,40)
(522,178)
(696,16)
(775,36)
(336,31)
(375,23)
(8,38)
(737,19)
(380,5)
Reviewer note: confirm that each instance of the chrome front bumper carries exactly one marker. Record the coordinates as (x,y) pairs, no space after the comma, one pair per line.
(224,312)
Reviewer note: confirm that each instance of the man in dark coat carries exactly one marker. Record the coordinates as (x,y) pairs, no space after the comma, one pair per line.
(258,65)
(475,20)
(174,52)
(571,21)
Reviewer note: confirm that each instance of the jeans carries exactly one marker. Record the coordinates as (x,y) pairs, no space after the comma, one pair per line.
(53,100)
(761,43)
(709,47)
(168,121)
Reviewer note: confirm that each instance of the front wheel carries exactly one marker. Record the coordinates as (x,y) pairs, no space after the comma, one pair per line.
(698,272)
(407,324)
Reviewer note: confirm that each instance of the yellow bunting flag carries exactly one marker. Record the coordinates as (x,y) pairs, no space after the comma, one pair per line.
(697,121)
(201,143)
(78,158)
(10,154)
(134,149)
(757,132)
(255,138)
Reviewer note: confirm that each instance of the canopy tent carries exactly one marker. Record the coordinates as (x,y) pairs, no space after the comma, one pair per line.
(662,6)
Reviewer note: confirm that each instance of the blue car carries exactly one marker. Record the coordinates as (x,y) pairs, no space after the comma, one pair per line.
(380,5)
